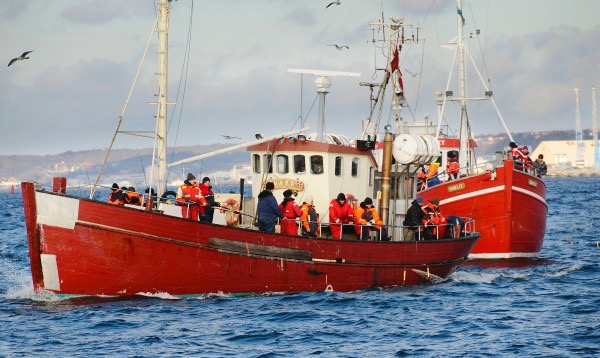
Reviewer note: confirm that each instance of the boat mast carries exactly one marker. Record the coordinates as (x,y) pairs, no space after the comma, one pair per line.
(161,120)
(464,125)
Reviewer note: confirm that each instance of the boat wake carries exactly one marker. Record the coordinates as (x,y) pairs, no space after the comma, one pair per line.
(470,277)
(563,272)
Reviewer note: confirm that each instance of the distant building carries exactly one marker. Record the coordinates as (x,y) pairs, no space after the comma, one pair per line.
(564,152)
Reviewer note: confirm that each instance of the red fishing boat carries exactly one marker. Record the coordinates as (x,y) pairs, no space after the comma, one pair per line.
(507,200)
(82,246)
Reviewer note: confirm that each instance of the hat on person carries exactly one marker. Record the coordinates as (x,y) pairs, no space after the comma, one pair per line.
(115,186)
(341,197)
(525,147)
(308,199)
(270,186)
(205,179)
(541,156)
(435,201)
(287,193)
(191,177)
(419,200)
(512,145)
(368,201)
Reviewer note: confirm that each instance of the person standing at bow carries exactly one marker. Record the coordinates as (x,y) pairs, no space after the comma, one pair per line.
(340,213)
(189,198)
(540,166)
(267,209)
(309,218)
(207,212)
(290,211)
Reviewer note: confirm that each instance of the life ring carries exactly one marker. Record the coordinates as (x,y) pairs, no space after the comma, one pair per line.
(232,211)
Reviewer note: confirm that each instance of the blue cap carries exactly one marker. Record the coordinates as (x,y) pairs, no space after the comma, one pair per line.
(419,199)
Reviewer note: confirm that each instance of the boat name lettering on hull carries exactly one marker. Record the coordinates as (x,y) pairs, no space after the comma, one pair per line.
(456,187)
(283,183)
(533,183)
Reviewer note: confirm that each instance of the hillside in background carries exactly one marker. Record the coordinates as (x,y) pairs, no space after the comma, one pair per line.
(85,165)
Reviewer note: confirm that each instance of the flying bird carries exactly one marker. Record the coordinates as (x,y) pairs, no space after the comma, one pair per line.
(412,74)
(340,47)
(228,137)
(338,2)
(22,57)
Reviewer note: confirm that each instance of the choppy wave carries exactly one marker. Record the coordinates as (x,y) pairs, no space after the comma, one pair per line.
(534,307)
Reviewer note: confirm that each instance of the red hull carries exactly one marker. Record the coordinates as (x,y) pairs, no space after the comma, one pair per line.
(84,247)
(509,210)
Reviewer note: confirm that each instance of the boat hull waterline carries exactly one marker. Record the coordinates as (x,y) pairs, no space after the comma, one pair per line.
(509,208)
(85,247)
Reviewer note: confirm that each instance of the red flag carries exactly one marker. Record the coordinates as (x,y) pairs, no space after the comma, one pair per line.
(395,61)
(400,82)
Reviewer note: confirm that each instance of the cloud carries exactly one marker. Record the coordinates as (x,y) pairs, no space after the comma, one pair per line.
(103,11)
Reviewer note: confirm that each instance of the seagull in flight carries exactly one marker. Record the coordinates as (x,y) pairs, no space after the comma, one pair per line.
(229,137)
(338,2)
(340,47)
(22,57)
(412,74)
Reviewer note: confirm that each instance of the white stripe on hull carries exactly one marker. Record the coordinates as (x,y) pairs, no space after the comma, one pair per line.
(504,255)
(50,272)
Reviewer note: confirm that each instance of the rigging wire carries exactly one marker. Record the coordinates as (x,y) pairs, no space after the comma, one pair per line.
(182,79)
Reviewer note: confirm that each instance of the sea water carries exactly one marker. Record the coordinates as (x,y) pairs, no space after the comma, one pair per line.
(544,307)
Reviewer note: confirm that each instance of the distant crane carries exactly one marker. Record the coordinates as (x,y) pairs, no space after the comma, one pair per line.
(580,146)
(595,130)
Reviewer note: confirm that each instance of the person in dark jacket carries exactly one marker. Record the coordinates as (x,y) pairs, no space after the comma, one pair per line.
(267,209)
(540,166)
(412,222)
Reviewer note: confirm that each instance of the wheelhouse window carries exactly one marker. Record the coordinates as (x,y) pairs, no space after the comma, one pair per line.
(371,175)
(283,165)
(316,164)
(355,161)
(256,163)
(268,163)
(299,164)
(338,166)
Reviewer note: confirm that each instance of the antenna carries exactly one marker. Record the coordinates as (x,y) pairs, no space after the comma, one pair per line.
(323,83)
(580,146)
(595,130)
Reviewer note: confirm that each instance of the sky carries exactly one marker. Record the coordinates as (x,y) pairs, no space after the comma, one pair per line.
(69,95)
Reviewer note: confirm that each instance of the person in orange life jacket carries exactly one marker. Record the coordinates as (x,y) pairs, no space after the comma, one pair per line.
(134,197)
(126,198)
(309,218)
(267,210)
(432,174)
(519,155)
(452,168)
(116,197)
(340,213)
(290,211)
(528,162)
(207,212)
(432,217)
(189,198)
(368,220)
(413,220)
